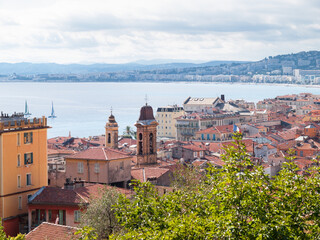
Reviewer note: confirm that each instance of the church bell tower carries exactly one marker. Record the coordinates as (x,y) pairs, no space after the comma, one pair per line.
(146,136)
(112,132)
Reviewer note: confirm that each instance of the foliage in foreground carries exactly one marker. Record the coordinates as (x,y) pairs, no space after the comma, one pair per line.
(237,202)
(99,220)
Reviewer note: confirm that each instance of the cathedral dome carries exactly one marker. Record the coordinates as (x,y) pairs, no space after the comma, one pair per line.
(146,113)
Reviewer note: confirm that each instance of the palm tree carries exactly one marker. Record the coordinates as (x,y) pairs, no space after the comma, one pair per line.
(129,132)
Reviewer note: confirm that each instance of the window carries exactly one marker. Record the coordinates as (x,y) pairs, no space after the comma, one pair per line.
(80,167)
(28,158)
(96,168)
(201,154)
(50,215)
(28,137)
(29,196)
(18,160)
(140,144)
(121,165)
(19,202)
(195,154)
(19,181)
(18,139)
(28,179)
(151,143)
(77,215)
(301,153)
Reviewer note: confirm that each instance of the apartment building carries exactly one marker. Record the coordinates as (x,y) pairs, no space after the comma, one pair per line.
(23,167)
(166,117)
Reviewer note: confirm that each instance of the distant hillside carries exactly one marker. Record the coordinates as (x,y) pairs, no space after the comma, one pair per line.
(148,71)
(281,64)
(53,68)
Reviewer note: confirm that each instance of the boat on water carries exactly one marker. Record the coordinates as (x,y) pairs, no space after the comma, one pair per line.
(26,110)
(52,113)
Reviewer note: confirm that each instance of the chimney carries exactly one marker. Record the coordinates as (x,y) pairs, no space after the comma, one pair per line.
(222,97)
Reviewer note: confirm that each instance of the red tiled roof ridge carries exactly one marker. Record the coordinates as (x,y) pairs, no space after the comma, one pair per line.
(50,225)
(80,196)
(57,225)
(96,154)
(104,153)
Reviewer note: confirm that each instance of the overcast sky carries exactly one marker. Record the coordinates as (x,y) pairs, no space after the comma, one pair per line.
(119,31)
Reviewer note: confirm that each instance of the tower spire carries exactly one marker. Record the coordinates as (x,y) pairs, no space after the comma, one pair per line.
(146,99)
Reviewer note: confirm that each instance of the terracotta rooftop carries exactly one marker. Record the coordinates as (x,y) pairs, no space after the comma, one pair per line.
(218,129)
(150,172)
(286,145)
(193,147)
(288,134)
(217,147)
(67,197)
(215,160)
(95,190)
(64,142)
(99,154)
(128,141)
(50,231)
(56,196)
(94,141)
(60,151)
(198,163)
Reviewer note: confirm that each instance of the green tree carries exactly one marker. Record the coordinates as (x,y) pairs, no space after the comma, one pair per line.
(99,218)
(129,132)
(86,233)
(237,202)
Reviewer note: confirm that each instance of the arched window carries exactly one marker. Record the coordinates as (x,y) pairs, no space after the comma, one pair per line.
(109,138)
(151,142)
(140,144)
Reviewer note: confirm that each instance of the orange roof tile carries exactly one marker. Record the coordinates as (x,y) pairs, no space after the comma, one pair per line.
(193,148)
(218,129)
(128,141)
(99,154)
(50,231)
(149,172)
(70,197)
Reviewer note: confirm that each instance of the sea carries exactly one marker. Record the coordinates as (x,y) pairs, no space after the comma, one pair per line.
(82,109)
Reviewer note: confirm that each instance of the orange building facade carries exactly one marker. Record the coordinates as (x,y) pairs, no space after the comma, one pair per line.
(23,167)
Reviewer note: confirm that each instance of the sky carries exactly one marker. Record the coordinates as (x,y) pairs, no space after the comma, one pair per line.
(121,31)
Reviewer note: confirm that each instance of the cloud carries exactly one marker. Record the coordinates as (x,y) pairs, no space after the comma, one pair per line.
(126,30)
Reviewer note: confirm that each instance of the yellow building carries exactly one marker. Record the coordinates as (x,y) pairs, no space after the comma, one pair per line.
(166,117)
(23,167)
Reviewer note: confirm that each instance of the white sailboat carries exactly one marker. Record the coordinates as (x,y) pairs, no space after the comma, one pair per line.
(26,110)
(52,113)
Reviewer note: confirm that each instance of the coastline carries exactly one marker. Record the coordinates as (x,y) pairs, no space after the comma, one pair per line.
(175,82)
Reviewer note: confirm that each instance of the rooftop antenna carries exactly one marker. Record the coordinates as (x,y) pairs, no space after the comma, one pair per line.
(146,99)
(111,110)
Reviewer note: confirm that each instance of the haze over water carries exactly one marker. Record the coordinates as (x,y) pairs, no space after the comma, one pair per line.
(83,108)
